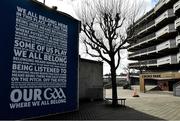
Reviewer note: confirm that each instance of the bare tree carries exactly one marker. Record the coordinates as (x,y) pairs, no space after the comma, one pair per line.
(104,31)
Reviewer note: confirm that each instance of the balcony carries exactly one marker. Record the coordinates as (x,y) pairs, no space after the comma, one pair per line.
(178,57)
(177,40)
(147,27)
(133,54)
(176,7)
(172,59)
(167,60)
(167,46)
(138,53)
(161,4)
(143,41)
(167,15)
(165,31)
(163,46)
(145,63)
(147,17)
(142,52)
(134,65)
(151,49)
(152,62)
(177,23)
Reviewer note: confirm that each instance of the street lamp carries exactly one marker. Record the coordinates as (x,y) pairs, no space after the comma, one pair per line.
(44,2)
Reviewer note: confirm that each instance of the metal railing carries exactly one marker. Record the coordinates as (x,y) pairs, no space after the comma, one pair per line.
(150,24)
(161,4)
(143,51)
(177,23)
(144,63)
(152,48)
(167,29)
(178,57)
(152,61)
(163,45)
(172,59)
(176,6)
(177,40)
(167,44)
(146,38)
(146,27)
(167,14)
(134,53)
(134,64)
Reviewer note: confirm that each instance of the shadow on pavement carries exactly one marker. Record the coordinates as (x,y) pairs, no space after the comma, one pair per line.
(98,110)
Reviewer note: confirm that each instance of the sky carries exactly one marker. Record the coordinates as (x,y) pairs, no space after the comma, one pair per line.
(68,6)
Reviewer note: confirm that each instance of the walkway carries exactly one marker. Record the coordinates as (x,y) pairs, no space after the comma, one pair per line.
(101,111)
(149,106)
(158,104)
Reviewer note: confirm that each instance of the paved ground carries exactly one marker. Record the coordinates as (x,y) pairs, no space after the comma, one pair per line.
(149,106)
(158,104)
(101,111)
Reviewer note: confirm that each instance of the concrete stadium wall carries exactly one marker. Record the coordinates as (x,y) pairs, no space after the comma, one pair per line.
(90,79)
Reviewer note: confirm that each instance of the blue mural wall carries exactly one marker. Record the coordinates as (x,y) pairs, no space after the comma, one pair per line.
(39,60)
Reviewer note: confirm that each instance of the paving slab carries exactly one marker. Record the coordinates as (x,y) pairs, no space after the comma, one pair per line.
(99,110)
(156,103)
(149,106)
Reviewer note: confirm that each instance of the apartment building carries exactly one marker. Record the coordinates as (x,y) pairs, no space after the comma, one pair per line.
(156,45)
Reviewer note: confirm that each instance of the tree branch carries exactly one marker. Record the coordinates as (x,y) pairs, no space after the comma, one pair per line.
(119,59)
(97,49)
(93,55)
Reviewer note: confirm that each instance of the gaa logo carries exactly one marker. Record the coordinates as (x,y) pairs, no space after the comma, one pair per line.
(26,95)
(54,94)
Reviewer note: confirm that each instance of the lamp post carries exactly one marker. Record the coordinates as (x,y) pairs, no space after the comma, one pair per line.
(44,2)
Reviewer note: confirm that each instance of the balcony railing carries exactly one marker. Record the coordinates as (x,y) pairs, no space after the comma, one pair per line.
(178,57)
(163,46)
(150,49)
(143,40)
(167,14)
(146,38)
(145,17)
(164,60)
(161,4)
(143,51)
(167,60)
(167,29)
(150,24)
(176,6)
(177,40)
(134,53)
(152,62)
(134,65)
(177,23)
(146,27)
(172,59)
(145,63)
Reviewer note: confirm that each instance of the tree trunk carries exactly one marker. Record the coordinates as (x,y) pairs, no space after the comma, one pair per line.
(114,85)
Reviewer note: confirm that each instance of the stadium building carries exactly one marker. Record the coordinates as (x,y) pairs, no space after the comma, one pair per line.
(156,46)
